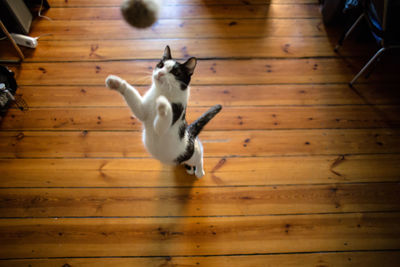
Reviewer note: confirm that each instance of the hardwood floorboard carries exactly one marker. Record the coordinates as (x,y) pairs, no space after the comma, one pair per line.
(200,11)
(231,118)
(221,172)
(301,170)
(193,28)
(359,258)
(227,95)
(208,72)
(101,50)
(89,3)
(221,201)
(216,143)
(89,237)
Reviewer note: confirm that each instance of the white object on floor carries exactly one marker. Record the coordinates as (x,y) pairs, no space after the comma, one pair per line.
(25,40)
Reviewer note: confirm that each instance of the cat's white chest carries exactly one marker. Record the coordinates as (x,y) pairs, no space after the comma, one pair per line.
(166,147)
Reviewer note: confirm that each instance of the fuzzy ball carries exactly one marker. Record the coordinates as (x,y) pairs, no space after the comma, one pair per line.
(141,13)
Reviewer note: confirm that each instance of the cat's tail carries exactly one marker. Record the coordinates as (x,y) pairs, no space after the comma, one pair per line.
(195,128)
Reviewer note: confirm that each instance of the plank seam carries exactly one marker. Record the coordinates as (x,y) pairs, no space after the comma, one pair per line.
(228,106)
(192,85)
(181,59)
(204,216)
(53,6)
(389,128)
(394,182)
(214,157)
(208,255)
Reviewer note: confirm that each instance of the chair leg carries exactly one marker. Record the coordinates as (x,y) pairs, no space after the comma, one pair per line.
(347,33)
(373,67)
(372,60)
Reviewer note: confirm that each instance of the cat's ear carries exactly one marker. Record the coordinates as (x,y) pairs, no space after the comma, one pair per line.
(190,64)
(167,53)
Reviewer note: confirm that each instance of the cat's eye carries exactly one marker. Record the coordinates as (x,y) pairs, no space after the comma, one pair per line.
(160,65)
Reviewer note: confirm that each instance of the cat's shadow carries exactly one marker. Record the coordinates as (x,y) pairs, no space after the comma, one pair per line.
(175,211)
(183,185)
(182,178)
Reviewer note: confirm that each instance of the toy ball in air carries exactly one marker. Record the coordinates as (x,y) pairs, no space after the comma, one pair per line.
(141,13)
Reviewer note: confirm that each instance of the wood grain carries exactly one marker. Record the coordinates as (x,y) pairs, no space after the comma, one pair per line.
(89,3)
(197,236)
(232,118)
(216,143)
(293,170)
(225,201)
(301,170)
(7,51)
(100,50)
(193,12)
(208,72)
(229,95)
(313,259)
(193,28)
(345,259)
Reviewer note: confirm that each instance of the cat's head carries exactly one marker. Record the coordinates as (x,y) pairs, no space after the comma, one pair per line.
(172,74)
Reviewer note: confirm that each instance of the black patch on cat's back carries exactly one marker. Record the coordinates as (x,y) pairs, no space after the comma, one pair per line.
(185,156)
(182,130)
(193,130)
(177,109)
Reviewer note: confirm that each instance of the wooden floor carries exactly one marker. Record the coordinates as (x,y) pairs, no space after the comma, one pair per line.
(301,170)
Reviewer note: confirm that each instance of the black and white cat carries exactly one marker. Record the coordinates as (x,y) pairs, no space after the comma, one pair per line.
(162,110)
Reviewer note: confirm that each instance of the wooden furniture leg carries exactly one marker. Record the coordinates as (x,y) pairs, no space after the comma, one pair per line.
(4,29)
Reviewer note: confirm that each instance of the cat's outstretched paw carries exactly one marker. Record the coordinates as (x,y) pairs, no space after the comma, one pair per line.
(115,83)
(162,105)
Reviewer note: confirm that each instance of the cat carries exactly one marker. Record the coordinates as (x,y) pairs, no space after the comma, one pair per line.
(162,110)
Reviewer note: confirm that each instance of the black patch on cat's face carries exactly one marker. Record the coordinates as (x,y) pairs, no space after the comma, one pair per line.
(181,74)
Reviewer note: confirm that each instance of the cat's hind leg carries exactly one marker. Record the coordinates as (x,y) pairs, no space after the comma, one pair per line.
(199,171)
(131,95)
(190,169)
(196,161)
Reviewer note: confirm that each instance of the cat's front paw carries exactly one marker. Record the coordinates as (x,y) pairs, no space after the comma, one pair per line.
(162,105)
(115,83)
